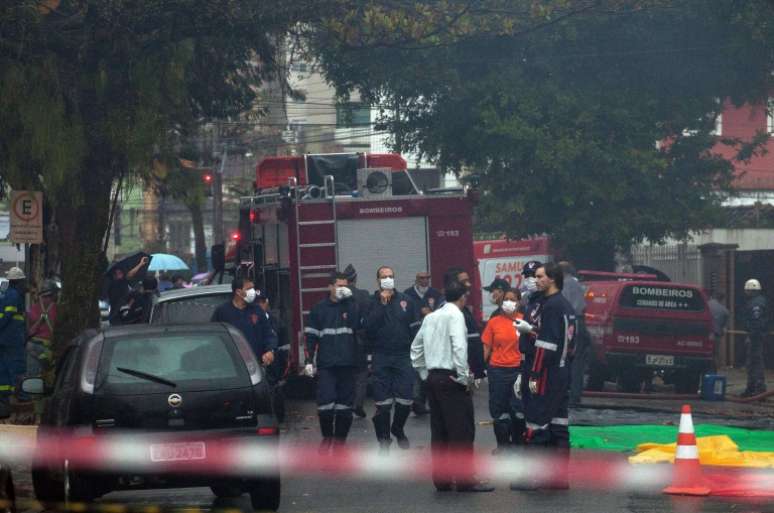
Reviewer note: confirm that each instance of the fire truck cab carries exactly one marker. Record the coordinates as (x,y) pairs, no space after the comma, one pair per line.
(315,214)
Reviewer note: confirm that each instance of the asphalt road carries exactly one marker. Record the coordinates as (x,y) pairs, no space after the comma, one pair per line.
(318,494)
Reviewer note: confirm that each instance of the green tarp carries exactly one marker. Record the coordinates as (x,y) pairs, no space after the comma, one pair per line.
(626,438)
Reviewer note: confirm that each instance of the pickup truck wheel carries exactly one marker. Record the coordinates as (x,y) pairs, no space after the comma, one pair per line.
(630,382)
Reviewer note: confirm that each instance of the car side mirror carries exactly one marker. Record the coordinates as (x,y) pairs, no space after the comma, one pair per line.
(34,386)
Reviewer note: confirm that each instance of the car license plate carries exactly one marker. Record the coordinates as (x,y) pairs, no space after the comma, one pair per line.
(181,451)
(660,360)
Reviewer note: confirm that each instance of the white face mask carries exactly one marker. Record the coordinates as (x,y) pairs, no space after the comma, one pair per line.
(509,306)
(343,293)
(492,298)
(250,295)
(387,283)
(530,284)
(422,290)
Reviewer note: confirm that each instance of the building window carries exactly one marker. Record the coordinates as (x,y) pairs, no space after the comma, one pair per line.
(352,114)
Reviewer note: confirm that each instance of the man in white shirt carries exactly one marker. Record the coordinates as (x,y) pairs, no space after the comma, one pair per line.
(440,354)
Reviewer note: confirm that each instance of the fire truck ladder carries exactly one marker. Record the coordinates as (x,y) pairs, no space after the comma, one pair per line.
(309,276)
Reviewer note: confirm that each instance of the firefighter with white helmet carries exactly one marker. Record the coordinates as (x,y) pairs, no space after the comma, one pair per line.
(756,319)
(12,336)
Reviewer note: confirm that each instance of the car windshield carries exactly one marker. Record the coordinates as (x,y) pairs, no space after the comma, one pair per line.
(191,361)
(188,310)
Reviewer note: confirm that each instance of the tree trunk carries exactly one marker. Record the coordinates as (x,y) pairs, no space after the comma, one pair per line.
(197,218)
(82,227)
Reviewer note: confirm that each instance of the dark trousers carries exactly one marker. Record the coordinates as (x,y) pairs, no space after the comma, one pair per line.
(452,429)
(506,410)
(579,361)
(361,386)
(756,377)
(335,393)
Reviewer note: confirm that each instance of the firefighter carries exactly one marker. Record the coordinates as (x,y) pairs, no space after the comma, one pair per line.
(362,298)
(528,282)
(13,335)
(425,296)
(475,347)
(242,313)
(393,320)
(756,317)
(331,338)
(546,341)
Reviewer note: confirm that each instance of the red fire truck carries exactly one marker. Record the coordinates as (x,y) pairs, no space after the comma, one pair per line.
(314,214)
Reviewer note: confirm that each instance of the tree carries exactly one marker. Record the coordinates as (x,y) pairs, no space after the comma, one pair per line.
(90,90)
(589,121)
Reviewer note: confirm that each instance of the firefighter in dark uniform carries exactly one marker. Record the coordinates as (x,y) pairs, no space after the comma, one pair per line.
(363,299)
(756,320)
(393,320)
(331,338)
(13,336)
(475,346)
(547,342)
(427,300)
(242,313)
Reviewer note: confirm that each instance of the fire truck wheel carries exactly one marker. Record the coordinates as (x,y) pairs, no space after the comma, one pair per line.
(596,377)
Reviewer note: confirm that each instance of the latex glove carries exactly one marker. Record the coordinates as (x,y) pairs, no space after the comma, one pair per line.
(533,386)
(522,326)
(517,387)
(477,383)
(309,370)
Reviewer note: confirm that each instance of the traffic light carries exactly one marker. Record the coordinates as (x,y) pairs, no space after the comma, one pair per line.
(207,179)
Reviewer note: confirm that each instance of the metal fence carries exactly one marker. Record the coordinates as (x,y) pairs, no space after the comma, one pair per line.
(681,262)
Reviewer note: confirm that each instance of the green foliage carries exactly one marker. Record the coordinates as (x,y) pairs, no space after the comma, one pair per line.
(560,116)
(92,90)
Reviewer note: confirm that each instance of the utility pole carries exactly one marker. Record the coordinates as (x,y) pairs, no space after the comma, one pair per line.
(217,199)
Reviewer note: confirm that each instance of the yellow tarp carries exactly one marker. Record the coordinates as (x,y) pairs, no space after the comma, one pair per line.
(717,450)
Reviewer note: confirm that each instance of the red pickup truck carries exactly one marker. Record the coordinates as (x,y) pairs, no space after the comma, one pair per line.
(640,328)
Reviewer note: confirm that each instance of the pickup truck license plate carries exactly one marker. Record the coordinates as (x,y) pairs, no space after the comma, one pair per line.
(181,451)
(660,360)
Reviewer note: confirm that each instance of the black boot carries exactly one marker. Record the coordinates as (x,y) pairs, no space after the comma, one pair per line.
(402,412)
(381,422)
(502,432)
(326,429)
(518,427)
(343,423)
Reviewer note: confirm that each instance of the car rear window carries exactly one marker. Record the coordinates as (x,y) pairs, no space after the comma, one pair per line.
(193,361)
(188,310)
(661,297)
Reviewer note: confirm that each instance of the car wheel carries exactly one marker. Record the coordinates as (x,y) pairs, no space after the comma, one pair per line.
(47,489)
(8,498)
(265,494)
(223,491)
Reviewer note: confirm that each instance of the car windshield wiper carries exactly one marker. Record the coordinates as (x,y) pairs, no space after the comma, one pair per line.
(145,375)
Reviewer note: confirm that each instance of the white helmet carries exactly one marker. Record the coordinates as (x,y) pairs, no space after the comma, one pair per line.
(752,284)
(14,273)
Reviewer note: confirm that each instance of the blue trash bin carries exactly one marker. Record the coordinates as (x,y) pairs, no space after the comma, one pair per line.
(713,387)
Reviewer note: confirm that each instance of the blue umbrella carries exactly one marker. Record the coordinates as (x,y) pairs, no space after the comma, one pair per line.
(166,262)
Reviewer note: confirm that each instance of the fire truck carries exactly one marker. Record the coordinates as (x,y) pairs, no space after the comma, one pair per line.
(315,214)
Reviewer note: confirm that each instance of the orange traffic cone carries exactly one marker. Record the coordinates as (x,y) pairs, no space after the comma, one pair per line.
(687,478)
